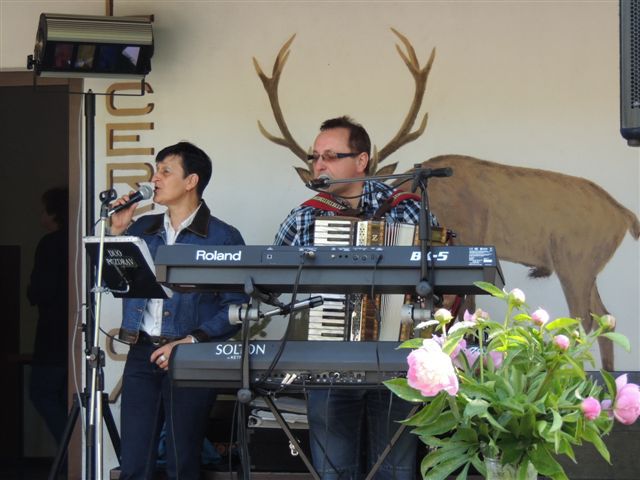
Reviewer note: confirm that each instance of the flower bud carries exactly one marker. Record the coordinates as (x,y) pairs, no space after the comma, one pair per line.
(540,317)
(608,322)
(591,408)
(562,342)
(443,316)
(516,297)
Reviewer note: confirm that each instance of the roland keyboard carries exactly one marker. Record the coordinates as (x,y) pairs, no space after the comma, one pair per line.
(328,269)
(302,365)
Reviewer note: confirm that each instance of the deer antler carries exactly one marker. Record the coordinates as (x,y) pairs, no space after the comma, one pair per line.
(271,87)
(420,76)
(404,135)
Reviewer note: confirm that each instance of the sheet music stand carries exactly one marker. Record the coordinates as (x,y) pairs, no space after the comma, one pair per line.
(128,270)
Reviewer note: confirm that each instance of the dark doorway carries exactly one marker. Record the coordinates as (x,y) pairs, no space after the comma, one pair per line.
(38,149)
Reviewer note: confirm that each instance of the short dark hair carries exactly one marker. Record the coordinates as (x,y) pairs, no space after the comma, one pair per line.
(359,140)
(194,160)
(56,204)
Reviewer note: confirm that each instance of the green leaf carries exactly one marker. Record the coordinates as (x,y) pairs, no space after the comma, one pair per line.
(479,465)
(545,464)
(577,369)
(541,427)
(510,404)
(565,447)
(430,412)
(465,471)
(609,382)
(442,454)
(412,343)
(522,470)
(478,390)
(452,342)
(401,388)
(443,424)
(494,422)
(592,435)
(476,408)
(445,468)
(562,322)
(618,338)
(491,289)
(557,422)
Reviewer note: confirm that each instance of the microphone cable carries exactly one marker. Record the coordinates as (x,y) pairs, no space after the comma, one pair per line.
(287,333)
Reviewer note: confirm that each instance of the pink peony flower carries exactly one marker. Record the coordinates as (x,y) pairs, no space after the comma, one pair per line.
(496,357)
(472,353)
(562,342)
(467,317)
(431,370)
(477,316)
(591,408)
(626,407)
(540,317)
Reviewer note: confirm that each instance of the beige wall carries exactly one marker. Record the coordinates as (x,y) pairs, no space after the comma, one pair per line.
(522,83)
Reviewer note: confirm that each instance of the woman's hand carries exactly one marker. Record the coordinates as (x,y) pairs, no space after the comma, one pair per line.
(162,355)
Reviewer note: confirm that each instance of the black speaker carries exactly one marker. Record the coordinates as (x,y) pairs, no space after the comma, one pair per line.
(630,71)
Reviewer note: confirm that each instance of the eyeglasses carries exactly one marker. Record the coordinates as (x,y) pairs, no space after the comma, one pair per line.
(329,156)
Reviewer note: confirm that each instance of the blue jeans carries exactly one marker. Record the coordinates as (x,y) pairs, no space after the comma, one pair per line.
(335,421)
(148,399)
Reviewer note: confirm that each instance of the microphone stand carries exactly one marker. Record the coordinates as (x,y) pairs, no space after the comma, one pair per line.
(245,394)
(95,357)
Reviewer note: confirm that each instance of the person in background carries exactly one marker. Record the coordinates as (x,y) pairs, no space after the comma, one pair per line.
(48,290)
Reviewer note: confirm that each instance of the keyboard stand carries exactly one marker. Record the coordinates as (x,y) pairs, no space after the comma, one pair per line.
(292,439)
(287,431)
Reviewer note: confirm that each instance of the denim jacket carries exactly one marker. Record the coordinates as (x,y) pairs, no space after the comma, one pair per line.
(203,315)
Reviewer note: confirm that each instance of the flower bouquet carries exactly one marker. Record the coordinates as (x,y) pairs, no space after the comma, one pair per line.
(511,395)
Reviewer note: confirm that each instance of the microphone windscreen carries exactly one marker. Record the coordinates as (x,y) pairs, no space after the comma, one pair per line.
(146,191)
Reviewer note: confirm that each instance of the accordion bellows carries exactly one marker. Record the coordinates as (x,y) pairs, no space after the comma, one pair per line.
(366,319)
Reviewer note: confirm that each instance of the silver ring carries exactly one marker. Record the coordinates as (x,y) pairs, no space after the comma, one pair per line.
(162,358)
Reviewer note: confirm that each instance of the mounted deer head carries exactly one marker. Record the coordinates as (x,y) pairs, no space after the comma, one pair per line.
(401,138)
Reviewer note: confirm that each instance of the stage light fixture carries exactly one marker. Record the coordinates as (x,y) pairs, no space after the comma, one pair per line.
(92,46)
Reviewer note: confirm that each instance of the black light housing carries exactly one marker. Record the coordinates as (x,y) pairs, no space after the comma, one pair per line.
(630,71)
(92,46)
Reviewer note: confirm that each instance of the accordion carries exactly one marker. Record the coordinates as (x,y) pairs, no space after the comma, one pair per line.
(361,317)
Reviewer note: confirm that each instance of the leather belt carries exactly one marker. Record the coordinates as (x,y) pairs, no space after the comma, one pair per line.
(145,339)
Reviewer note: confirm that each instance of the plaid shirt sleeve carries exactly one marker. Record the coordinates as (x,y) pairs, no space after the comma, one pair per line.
(408,211)
(296,228)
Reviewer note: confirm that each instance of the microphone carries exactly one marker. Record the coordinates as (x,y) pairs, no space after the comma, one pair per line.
(145,193)
(321,182)
(238,313)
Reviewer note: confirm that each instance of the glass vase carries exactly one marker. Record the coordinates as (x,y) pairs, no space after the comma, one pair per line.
(496,471)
